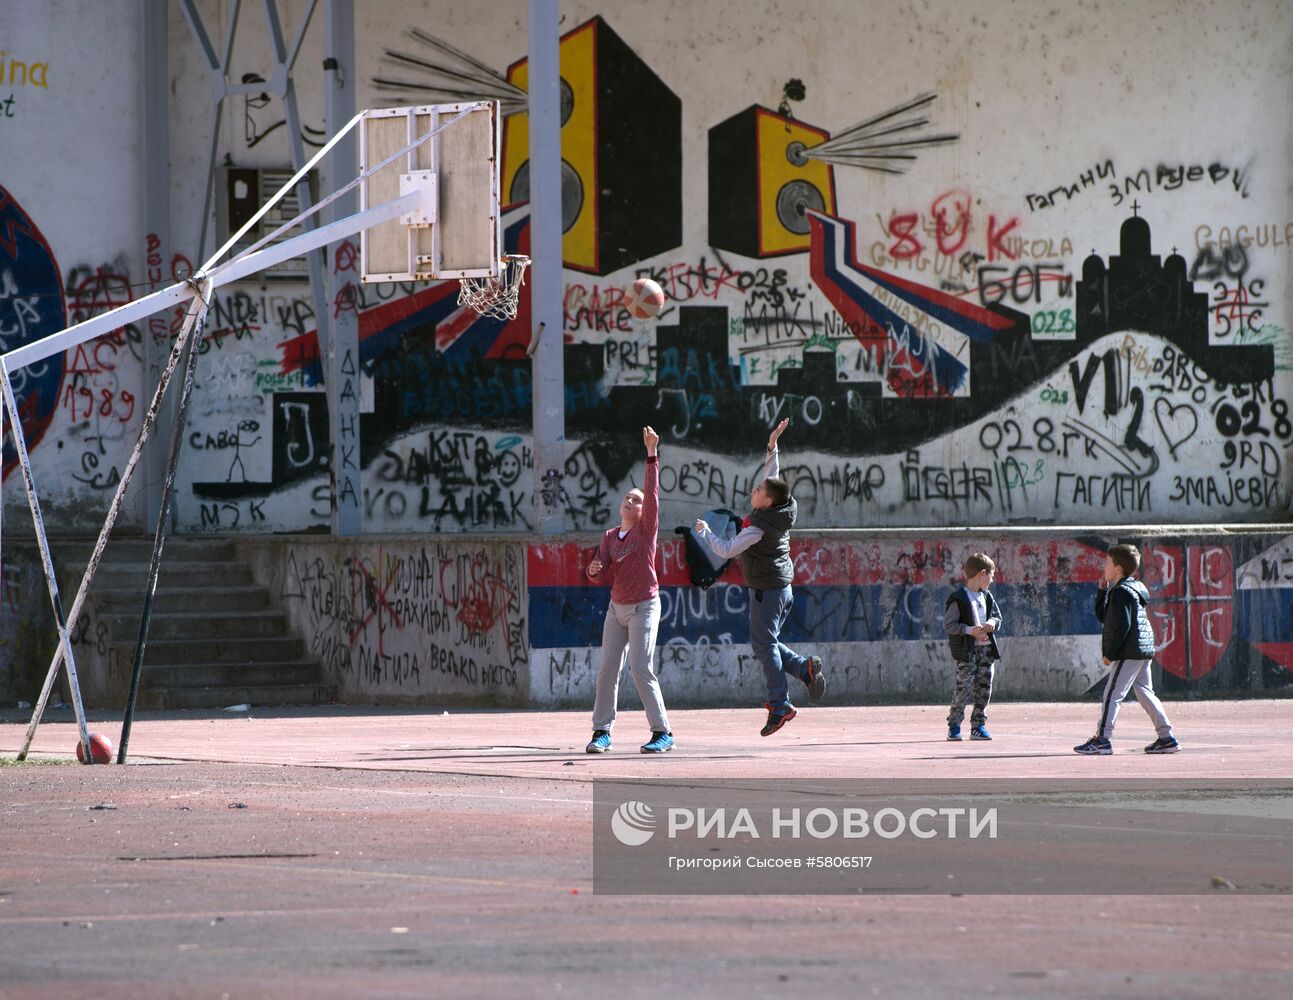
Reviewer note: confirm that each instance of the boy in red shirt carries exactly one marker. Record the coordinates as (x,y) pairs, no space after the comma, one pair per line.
(626,560)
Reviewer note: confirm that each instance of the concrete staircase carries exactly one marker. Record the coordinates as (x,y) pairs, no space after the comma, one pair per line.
(214,640)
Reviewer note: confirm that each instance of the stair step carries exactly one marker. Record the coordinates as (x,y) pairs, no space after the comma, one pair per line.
(215,639)
(220,696)
(287,672)
(180,600)
(134,575)
(175,550)
(180,652)
(164,625)
(137,549)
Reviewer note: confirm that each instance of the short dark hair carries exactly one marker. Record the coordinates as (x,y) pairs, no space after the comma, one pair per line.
(1125,557)
(778,490)
(977,563)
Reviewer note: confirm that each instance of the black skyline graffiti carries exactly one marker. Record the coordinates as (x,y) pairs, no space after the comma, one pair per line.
(698,397)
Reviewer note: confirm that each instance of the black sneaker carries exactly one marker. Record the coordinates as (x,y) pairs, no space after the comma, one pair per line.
(1164,744)
(1094,746)
(816,680)
(777,719)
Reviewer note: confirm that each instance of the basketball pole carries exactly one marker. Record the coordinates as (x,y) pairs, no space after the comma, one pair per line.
(340,355)
(547,354)
(163,518)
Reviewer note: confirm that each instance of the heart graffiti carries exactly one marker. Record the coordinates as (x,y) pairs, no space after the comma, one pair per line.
(1178,423)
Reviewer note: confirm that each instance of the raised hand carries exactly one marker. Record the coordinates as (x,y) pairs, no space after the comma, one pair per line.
(700,526)
(776,432)
(651,439)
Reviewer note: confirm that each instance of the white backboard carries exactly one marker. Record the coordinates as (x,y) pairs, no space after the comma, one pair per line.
(455,231)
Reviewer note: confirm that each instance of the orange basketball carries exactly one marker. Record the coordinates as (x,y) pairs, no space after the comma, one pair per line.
(100,746)
(644,298)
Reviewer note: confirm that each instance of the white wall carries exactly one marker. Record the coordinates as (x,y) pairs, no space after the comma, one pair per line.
(1146,101)
(68,158)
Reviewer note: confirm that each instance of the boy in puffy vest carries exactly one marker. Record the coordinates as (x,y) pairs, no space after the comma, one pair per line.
(763,543)
(1128,645)
(971,620)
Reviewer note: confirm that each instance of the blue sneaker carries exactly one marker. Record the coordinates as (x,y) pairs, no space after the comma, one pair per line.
(1095,745)
(777,717)
(659,743)
(980,732)
(600,743)
(1164,744)
(953,734)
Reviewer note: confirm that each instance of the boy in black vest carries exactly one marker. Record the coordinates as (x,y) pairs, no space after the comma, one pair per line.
(763,544)
(1128,645)
(971,621)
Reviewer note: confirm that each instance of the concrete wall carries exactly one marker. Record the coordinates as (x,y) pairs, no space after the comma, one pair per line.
(397,621)
(506,621)
(871,606)
(1075,312)
(1072,312)
(498,621)
(70,215)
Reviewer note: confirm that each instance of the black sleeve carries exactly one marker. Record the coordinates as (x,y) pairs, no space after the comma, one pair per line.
(1101,602)
(1120,622)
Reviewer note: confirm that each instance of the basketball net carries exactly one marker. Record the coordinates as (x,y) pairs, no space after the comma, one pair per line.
(496,297)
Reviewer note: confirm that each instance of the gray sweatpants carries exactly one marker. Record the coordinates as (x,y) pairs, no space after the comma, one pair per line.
(1131,675)
(632,626)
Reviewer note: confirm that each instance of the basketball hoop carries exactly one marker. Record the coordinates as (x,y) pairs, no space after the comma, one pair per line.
(496,297)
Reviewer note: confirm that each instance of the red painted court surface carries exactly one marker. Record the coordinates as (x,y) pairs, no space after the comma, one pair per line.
(398,853)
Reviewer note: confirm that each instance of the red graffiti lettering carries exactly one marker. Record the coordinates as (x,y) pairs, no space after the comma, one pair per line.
(902,228)
(346,300)
(995,236)
(951,212)
(347,257)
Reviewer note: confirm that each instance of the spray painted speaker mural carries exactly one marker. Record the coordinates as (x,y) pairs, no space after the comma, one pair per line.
(761,184)
(621,153)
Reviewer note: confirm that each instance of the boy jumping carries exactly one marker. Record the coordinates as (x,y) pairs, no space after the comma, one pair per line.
(763,544)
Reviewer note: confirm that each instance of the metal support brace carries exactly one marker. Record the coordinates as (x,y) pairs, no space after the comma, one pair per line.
(65,643)
(204,294)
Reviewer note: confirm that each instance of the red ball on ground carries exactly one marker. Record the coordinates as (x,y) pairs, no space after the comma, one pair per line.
(100,746)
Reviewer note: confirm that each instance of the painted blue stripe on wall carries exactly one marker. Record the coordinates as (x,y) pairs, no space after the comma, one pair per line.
(562,617)
(1264,615)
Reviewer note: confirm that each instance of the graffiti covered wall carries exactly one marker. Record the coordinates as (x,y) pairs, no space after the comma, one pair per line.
(395,622)
(995,272)
(978,301)
(872,608)
(70,248)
